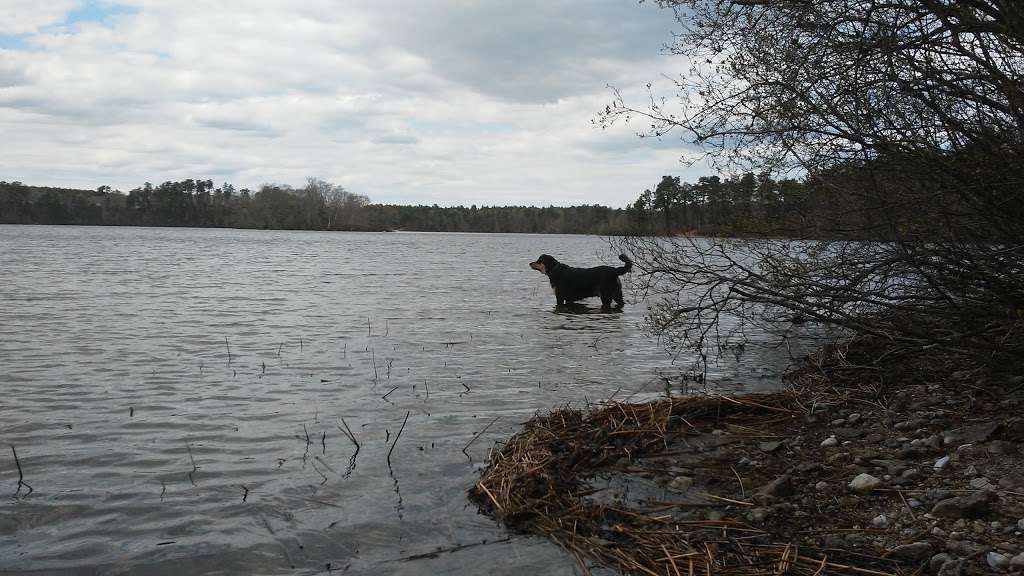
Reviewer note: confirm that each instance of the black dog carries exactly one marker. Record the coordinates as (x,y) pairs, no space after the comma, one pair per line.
(572,284)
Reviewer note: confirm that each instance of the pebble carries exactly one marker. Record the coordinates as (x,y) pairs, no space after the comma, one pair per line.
(915,552)
(880,521)
(681,483)
(780,487)
(952,568)
(1020,524)
(864,483)
(829,442)
(853,418)
(938,560)
(997,561)
(821,486)
(972,506)
(914,503)
(941,463)
(981,482)
(1017,562)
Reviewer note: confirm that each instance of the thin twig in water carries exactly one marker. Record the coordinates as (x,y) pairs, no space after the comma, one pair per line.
(194,467)
(395,443)
(228,346)
(245,495)
(21,477)
(352,459)
(475,436)
(385,397)
(323,442)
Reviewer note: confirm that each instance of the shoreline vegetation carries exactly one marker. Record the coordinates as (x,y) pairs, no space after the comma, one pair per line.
(740,205)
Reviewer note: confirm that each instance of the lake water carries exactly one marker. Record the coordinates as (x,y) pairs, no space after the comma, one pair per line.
(175,395)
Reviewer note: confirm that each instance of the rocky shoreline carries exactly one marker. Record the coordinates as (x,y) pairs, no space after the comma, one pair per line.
(908,469)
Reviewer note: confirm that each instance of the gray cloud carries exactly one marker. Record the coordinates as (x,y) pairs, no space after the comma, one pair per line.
(454,101)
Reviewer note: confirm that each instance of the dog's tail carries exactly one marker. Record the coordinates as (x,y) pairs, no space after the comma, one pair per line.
(623,269)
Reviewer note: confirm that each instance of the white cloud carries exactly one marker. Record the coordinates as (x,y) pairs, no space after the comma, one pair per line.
(455,101)
(28,16)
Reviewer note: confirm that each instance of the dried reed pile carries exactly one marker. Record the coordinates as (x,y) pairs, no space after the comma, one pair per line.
(536,484)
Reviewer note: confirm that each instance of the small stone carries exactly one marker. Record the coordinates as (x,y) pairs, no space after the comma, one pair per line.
(821,486)
(1012,482)
(915,552)
(1020,524)
(880,521)
(941,463)
(1017,562)
(914,503)
(829,442)
(938,560)
(952,568)
(758,515)
(681,483)
(769,446)
(780,487)
(853,418)
(864,483)
(972,506)
(997,561)
(981,482)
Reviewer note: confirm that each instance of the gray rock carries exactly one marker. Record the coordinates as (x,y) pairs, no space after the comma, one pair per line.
(1017,562)
(853,418)
(952,568)
(864,483)
(941,463)
(1012,482)
(915,552)
(981,482)
(973,505)
(829,442)
(681,483)
(769,446)
(938,560)
(880,521)
(821,486)
(997,561)
(1020,524)
(780,487)
(758,515)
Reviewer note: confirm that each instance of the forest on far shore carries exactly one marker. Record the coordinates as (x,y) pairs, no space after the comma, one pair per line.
(744,204)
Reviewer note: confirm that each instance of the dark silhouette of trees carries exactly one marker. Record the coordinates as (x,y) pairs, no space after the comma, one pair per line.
(904,119)
(319,205)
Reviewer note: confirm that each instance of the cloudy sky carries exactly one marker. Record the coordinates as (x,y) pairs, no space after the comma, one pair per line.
(412,101)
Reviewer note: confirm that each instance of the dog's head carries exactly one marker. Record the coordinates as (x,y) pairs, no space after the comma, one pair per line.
(545,264)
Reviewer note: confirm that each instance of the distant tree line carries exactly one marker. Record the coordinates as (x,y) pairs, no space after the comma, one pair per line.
(319,205)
